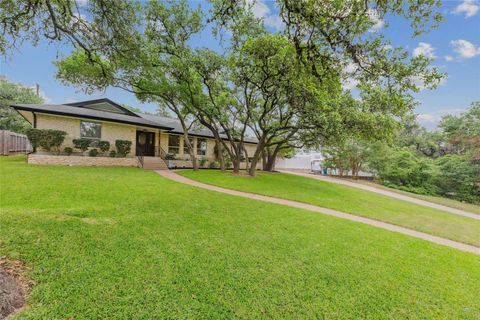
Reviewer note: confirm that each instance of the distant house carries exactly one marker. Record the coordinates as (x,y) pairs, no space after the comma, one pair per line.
(157,140)
(302,161)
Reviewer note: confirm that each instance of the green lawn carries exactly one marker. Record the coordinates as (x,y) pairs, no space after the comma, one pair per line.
(123,243)
(470,207)
(348,199)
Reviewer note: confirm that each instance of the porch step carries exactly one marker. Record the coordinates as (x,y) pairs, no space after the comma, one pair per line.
(154,163)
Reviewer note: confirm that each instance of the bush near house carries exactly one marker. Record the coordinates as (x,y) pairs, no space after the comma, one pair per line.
(123,147)
(68,151)
(113,153)
(93,152)
(48,139)
(170,156)
(82,144)
(203,162)
(51,140)
(104,146)
(34,136)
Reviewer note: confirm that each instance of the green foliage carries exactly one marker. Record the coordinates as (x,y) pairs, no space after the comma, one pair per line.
(410,170)
(14,93)
(458,177)
(34,136)
(68,150)
(104,146)
(83,144)
(444,162)
(213,164)
(170,156)
(48,139)
(123,147)
(350,155)
(203,162)
(93,152)
(113,153)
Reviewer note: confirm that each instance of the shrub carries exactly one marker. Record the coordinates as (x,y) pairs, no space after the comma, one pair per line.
(68,151)
(228,163)
(34,136)
(213,165)
(104,146)
(113,153)
(457,177)
(93,152)
(203,162)
(169,156)
(51,140)
(82,144)
(123,147)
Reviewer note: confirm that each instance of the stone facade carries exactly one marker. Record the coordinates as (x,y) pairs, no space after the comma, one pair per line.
(110,131)
(81,161)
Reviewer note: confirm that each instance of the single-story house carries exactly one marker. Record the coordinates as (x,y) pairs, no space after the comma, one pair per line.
(155,139)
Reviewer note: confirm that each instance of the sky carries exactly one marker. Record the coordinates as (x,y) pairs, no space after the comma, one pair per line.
(455,46)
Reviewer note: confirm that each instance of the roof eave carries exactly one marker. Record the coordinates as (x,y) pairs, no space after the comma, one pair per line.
(31,109)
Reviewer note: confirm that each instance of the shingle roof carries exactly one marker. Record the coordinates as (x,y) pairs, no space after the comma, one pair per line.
(177,127)
(61,109)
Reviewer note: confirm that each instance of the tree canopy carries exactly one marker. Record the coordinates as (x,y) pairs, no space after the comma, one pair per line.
(289,88)
(12,93)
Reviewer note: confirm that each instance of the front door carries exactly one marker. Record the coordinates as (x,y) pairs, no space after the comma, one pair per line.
(145,143)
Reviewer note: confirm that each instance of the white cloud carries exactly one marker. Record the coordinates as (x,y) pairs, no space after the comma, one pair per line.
(349,82)
(42,94)
(469,7)
(431,120)
(449,58)
(424,49)
(378,23)
(465,48)
(262,11)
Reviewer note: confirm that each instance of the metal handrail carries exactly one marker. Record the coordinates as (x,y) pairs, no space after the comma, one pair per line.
(140,156)
(159,152)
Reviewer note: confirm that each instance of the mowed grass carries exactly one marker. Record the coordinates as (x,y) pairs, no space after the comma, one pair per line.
(122,243)
(470,207)
(347,199)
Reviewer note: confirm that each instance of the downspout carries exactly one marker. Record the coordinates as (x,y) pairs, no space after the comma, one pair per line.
(34,126)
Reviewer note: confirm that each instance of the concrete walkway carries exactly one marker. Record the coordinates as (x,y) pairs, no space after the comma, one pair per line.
(438,240)
(386,193)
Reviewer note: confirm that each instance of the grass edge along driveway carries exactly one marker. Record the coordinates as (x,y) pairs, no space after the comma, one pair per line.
(347,199)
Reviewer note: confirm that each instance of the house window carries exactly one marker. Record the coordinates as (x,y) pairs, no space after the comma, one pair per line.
(185,148)
(201,146)
(173,144)
(91,130)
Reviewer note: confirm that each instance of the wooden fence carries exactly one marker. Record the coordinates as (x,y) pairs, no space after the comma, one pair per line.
(12,143)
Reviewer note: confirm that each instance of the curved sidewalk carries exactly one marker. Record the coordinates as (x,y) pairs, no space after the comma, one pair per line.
(438,240)
(386,193)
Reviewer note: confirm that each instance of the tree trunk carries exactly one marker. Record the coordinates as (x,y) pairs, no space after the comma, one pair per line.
(246,159)
(220,156)
(264,161)
(191,152)
(271,159)
(236,163)
(256,156)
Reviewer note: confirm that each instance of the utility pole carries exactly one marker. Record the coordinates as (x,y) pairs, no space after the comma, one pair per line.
(37,86)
